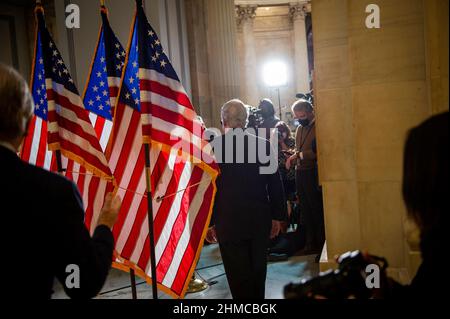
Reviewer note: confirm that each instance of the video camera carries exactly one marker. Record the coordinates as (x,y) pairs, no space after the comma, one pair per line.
(349,280)
(307,96)
(255,118)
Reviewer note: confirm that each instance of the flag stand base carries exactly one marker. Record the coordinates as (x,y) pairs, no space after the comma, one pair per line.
(197,285)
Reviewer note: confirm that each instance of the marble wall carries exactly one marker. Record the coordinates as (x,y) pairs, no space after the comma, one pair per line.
(372,86)
(436,36)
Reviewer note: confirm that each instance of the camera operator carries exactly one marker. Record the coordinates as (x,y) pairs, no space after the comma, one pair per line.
(269,120)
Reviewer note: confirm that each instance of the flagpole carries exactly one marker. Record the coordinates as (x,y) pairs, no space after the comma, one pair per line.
(133,284)
(132,272)
(61,170)
(148,175)
(150,220)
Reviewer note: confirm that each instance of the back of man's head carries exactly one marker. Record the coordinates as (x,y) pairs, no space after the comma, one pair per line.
(16,104)
(234,114)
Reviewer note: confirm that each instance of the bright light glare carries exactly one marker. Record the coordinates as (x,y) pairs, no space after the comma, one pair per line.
(275,74)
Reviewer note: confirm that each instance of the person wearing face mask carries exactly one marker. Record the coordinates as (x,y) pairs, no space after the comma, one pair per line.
(308,188)
(286,148)
(282,246)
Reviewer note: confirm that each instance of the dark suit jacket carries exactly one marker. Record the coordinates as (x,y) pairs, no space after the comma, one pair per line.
(43,232)
(246,201)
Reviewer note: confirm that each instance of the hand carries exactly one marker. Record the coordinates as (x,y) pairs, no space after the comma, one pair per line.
(211,235)
(110,211)
(276,229)
(288,152)
(291,160)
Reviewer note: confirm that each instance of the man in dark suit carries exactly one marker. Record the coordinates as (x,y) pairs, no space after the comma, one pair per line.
(43,234)
(249,204)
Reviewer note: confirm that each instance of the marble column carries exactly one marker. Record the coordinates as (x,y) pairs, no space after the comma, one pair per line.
(298,11)
(245,18)
(222,61)
(198,59)
(370,90)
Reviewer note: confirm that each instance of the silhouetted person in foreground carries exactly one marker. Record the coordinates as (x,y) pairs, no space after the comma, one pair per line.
(426,195)
(43,234)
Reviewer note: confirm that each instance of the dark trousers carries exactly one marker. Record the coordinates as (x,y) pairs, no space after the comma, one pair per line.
(245,265)
(311,208)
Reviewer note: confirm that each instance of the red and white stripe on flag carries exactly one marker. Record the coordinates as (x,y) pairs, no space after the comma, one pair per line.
(34,149)
(99,97)
(58,103)
(154,108)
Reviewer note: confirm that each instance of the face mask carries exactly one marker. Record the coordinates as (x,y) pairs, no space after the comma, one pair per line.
(304,122)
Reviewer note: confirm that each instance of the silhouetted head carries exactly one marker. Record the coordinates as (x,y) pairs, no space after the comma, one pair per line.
(16,106)
(425,180)
(267,108)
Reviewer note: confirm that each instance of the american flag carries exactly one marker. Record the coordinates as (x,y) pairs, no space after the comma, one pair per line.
(154,107)
(60,123)
(100,97)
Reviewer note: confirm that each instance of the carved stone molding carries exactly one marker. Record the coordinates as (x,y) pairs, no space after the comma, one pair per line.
(245,13)
(299,10)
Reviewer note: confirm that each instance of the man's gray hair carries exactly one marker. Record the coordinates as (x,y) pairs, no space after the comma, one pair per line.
(302,105)
(16,104)
(234,114)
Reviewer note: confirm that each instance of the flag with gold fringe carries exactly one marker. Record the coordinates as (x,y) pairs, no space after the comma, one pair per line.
(157,154)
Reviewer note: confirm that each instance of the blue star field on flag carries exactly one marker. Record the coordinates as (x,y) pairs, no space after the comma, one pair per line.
(108,63)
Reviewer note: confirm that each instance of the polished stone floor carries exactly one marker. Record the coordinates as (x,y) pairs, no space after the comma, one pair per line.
(210,269)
